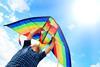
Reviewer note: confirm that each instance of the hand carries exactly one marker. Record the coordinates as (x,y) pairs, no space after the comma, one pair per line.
(53,42)
(51,46)
(53,39)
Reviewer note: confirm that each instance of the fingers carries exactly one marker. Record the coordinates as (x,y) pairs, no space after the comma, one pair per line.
(53,38)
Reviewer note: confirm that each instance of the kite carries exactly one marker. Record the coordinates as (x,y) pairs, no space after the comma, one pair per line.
(50,28)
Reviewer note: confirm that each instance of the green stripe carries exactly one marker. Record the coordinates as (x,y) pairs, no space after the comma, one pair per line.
(63,49)
(58,37)
(52,21)
(64,56)
(38,24)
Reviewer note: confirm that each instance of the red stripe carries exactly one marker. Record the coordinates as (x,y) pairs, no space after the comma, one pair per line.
(52,30)
(55,50)
(26,34)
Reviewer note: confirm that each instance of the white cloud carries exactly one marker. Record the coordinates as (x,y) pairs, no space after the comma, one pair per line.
(84,15)
(7,48)
(1,17)
(5,7)
(95,65)
(29,1)
(71,27)
(18,5)
(11,17)
(49,63)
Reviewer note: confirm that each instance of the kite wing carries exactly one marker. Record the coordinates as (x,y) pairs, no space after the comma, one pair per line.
(51,28)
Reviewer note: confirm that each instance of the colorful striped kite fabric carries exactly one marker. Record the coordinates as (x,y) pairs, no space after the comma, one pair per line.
(50,28)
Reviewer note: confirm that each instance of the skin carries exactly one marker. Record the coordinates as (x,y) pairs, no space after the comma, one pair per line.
(36,48)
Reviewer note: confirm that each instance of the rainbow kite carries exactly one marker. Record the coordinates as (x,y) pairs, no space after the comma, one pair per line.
(50,28)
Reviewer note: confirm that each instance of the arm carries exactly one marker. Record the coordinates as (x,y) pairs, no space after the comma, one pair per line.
(44,53)
(50,47)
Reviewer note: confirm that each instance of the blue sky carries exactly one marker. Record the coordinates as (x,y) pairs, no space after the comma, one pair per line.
(78,19)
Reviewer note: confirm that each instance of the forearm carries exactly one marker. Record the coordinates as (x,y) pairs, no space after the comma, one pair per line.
(50,48)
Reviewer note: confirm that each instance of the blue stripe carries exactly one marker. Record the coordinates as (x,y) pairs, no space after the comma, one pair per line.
(41,19)
(36,36)
(25,21)
(68,57)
